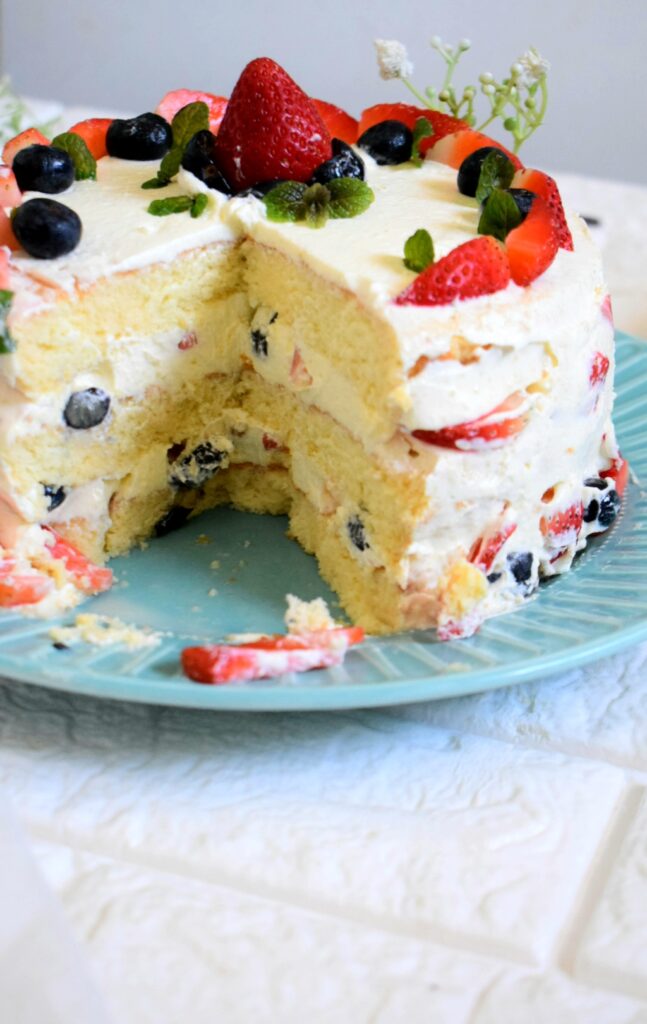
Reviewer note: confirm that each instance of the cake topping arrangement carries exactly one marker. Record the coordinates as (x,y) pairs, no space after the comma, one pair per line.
(147,137)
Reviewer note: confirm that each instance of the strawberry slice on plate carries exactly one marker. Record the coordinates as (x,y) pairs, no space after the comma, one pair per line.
(269,656)
(93,131)
(178,98)
(452,149)
(271,130)
(477,267)
(546,187)
(533,245)
(494,429)
(340,125)
(18,588)
(30,137)
(88,577)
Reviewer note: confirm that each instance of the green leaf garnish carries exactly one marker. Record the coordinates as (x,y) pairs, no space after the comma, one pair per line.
(154,183)
(85,166)
(173,204)
(294,201)
(497,171)
(349,197)
(7,344)
(192,118)
(421,130)
(500,215)
(418,251)
(199,204)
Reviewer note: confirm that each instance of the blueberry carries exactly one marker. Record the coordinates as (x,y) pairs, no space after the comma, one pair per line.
(56,495)
(493,577)
(43,169)
(469,171)
(200,159)
(523,198)
(357,534)
(344,163)
(597,482)
(259,343)
(389,142)
(85,409)
(520,564)
(261,188)
(197,467)
(591,511)
(46,228)
(172,520)
(146,137)
(609,508)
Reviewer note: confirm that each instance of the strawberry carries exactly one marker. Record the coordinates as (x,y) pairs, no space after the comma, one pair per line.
(10,194)
(477,267)
(7,236)
(492,430)
(486,548)
(270,130)
(568,521)
(599,370)
(532,246)
(21,588)
(30,137)
(607,309)
(4,270)
(618,471)
(546,187)
(178,98)
(452,149)
(340,125)
(442,124)
(270,656)
(88,577)
(93,132)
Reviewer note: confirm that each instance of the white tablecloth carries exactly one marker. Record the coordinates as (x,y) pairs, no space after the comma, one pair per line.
(480,860)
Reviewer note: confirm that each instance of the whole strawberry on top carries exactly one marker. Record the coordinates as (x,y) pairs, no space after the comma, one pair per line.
(271,129)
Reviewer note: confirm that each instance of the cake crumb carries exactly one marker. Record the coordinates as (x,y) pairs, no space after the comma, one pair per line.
(102,630)
(307,616)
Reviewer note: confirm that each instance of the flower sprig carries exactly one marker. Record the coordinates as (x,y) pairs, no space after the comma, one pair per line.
(519,100)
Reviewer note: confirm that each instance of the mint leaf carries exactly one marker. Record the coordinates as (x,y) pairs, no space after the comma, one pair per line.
(349,197)
(7,344)
(500,215)
(85,166)
(316,200)
(497,171)
(284,202)
(421,130)
(173,204)
(154,183)
(192,118)
(418,251)
(199,204)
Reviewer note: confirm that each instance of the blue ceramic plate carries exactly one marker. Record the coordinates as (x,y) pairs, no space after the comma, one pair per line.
(597,608)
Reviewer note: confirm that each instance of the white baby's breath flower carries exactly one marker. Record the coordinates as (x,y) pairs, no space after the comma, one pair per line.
(533,66)
(392,58)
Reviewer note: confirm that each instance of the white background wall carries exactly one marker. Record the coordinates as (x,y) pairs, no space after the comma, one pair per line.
(125,54)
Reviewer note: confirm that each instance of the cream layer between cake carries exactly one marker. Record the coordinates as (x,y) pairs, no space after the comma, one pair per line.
(162,313)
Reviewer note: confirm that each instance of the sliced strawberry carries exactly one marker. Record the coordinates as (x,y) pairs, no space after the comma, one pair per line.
(493,429)
(270,656)
(178,98)
(7,236)
(10,194)
(533,245)
(340,125)
(30,137)
(22,588)
(299,373)
(477,267)
(607,309)
(93,132)
(546,187)
(88,577)
(442,124)
(599,370)
(619,473)
(486,548)
(271,129)
(452,149)
(568,521)
(4,269)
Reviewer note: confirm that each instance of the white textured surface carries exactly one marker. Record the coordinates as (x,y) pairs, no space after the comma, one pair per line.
(477,861)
